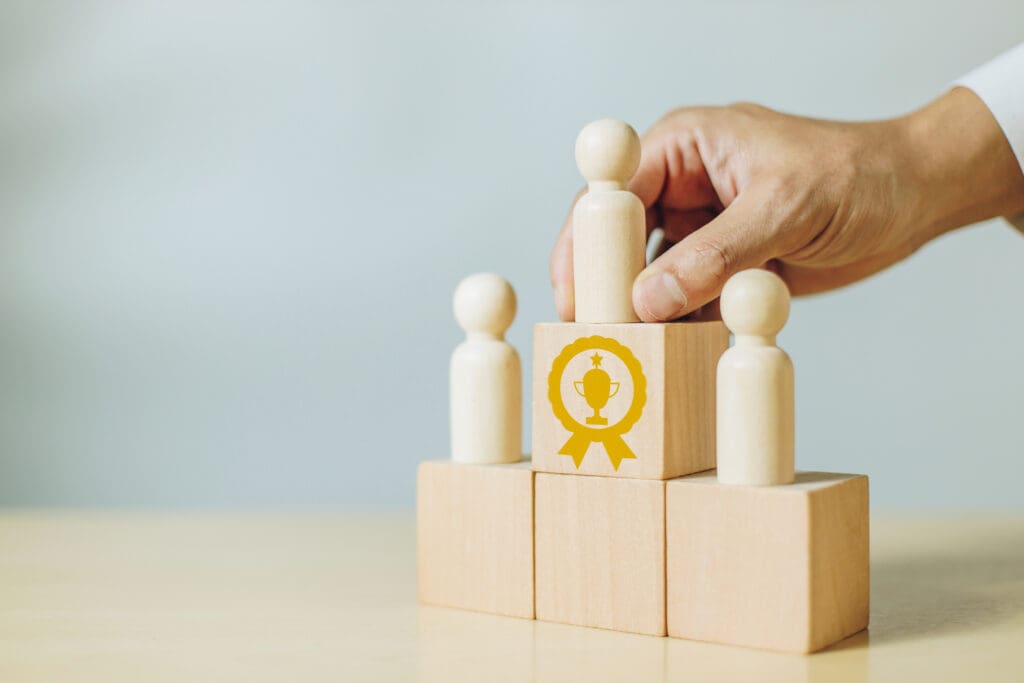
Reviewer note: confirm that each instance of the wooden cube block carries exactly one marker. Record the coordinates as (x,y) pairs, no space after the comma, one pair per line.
(474,536)
(773,567)
(600,544)
(625,400)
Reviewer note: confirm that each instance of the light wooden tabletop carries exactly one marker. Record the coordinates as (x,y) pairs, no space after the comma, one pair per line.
(261,597)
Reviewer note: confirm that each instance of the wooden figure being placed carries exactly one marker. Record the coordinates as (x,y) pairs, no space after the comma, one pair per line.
(609,228)
(755,384)
(486,379)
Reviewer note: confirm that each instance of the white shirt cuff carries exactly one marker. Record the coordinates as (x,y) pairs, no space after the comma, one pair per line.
(1000,85)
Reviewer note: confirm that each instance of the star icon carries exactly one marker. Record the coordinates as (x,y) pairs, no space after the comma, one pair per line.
(596,360)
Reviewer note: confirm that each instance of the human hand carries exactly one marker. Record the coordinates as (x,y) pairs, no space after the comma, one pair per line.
(822,203)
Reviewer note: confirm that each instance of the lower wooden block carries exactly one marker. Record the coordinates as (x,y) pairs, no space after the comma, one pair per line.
(474,536)
(773,567)
(600,545)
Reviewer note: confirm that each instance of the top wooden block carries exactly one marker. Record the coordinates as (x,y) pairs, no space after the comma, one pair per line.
(634,400)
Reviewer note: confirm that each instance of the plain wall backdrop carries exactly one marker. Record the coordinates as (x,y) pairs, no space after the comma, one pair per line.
(229,235)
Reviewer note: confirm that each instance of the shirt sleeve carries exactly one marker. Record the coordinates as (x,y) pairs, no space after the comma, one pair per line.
(1000,85)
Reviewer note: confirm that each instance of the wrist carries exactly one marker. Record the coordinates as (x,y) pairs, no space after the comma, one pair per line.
(959,164)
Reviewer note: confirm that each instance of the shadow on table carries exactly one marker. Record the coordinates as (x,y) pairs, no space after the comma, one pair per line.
(978,581)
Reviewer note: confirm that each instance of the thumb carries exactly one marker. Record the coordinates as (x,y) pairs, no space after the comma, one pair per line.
(693,272)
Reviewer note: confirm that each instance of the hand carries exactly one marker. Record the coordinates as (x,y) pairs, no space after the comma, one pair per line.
(822,203)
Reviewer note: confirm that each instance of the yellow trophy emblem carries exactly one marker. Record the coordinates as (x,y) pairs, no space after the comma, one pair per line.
(597,389)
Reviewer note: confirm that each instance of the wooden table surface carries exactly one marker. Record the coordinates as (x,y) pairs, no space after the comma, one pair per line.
(127,596)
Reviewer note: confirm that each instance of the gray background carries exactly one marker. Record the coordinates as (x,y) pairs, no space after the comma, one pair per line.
(229,235)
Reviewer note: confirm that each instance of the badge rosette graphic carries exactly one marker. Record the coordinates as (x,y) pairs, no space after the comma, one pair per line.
(597,387)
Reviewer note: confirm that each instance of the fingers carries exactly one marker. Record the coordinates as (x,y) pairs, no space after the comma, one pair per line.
(671,181)
(693,272)
(676,224)
(671,171)
(680,224)
(560,268)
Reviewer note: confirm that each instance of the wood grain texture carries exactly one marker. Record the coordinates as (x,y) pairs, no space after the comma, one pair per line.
(485,378)
(166,596)
(600,546)
(772,567)
(675,434)
(474,533)
(755,434)
(608,223)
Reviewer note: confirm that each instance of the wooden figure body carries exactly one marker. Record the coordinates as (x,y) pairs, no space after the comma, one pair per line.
(609,228)
(486,379)
(755,384)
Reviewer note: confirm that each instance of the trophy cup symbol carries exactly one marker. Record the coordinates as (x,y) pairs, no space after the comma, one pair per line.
(596,387)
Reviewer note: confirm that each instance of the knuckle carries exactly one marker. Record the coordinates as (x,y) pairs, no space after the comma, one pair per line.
(678,112)
(683,117)
(749,108)
(715,260)
(672,113)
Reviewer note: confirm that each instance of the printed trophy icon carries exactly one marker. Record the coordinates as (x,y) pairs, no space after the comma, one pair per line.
(596,388)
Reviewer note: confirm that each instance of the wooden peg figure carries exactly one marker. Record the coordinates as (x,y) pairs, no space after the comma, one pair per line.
(609,228)
(485,378)
(755,384)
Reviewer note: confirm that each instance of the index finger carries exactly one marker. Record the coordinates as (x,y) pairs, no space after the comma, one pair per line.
(560,268)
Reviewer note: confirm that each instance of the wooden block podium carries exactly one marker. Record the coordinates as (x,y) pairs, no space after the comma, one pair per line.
(625,400)
(600,548)
(771,567)
(474,536)
(618,522)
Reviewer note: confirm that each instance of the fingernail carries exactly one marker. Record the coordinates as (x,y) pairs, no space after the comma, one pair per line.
(660,296)
(645,274)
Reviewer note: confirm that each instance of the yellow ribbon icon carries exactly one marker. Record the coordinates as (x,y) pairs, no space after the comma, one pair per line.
(583,434)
